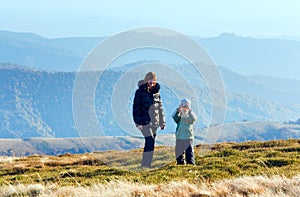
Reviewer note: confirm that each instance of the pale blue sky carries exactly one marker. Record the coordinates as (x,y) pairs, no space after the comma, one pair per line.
(63,18)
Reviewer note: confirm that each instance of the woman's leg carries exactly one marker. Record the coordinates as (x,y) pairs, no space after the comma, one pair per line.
(149,145)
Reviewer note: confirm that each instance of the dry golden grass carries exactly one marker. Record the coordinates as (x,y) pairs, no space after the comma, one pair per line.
(228,169)
(241,186)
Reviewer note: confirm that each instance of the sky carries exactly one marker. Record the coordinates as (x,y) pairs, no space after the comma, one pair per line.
(205,18)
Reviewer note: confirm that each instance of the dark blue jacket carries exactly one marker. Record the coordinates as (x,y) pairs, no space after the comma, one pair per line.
(147,106)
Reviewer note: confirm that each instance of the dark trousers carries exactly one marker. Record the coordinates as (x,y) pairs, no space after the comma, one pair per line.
(184,151)
(149,134)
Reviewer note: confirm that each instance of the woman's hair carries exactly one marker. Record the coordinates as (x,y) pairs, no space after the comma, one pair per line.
(150,75)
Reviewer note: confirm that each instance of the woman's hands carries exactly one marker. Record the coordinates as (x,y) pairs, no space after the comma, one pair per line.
(140,127)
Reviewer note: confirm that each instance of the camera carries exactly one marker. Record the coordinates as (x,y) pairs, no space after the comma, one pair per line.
(184,105)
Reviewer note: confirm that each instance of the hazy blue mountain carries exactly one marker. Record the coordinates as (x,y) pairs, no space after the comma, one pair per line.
(284,85)
(63,54)
(246,54)
(237,53)
(233,53)
(37,103)
(270,88)
(288,37)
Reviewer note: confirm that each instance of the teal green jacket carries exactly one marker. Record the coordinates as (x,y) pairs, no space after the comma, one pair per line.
(184,129)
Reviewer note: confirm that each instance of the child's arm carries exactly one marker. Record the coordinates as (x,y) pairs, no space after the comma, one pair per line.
(192,117)
(176,116)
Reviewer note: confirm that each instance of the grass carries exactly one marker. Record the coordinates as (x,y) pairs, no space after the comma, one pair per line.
(276,186)
(224,161)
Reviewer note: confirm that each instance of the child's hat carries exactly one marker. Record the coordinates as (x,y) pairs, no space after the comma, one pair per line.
(187,101)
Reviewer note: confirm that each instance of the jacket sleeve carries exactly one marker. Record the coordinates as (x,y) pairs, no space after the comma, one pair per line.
(161,114)
(176,116)
(137,109)
(192,117)
(162,119)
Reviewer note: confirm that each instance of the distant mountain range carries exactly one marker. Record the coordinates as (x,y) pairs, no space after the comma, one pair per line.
(63,54)
(233,53)
(37,77)
(241,54)
(268,56)
(37,103)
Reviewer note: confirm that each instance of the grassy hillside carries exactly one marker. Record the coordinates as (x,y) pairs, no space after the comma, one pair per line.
(230,166)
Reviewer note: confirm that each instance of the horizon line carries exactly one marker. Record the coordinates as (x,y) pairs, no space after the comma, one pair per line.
(279,36)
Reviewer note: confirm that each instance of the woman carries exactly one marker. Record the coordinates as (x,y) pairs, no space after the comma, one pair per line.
(148,114)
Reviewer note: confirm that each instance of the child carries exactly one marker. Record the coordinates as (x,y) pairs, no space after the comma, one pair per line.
(184,118)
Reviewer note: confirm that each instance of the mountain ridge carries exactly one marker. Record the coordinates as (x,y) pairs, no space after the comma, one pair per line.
(39,104)
(246,55)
